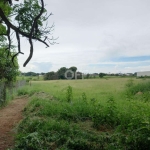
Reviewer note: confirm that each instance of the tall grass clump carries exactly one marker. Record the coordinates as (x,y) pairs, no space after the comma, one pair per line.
(140,91)
(106,115)
(26,91)
(22,91)
(140,87)
(130,83)
(69,95)
(84,97)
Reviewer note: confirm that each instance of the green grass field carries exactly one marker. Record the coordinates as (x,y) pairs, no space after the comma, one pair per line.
(94,114)
(96,88)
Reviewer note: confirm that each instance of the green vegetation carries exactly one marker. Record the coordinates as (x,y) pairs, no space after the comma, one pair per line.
(101,75)
(86,114)
(8,71)
(60,74)
(138,91)
(7,94)
(26,19)
(69,95)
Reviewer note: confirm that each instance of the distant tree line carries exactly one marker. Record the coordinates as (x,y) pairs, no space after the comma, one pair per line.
(60,74)
(30,74)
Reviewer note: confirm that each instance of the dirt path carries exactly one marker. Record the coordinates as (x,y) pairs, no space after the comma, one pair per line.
(9,117)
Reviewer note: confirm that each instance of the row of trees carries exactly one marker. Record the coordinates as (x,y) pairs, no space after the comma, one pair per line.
(60,74)
(30,74)
(94,75)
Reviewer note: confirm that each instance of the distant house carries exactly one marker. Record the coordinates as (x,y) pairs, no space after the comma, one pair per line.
(143,73)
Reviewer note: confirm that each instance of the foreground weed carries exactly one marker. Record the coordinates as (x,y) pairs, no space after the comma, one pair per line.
(111,111)
(69,95)
(129,83)
(52,134)
(140,91)
(22,91)
(84,97)
(106,116)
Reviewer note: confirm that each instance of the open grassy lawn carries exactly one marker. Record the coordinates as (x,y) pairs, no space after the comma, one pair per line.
(94,88)
(90,114)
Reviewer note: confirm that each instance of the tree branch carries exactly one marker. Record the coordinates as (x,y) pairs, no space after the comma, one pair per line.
(29,35)
(31,53)
(19,50)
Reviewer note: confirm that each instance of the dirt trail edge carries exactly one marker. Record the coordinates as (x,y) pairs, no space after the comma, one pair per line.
(9,117)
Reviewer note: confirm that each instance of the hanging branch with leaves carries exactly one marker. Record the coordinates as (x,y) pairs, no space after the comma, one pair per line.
(29,17)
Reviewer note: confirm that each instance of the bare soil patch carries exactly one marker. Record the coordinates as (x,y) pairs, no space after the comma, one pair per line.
(9,117)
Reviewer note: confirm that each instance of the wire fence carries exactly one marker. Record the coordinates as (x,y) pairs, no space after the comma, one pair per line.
(9,89)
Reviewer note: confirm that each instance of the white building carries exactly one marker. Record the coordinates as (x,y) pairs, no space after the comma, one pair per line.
(143,73)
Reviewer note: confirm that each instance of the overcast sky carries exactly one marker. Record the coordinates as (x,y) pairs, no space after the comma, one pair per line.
(95,36)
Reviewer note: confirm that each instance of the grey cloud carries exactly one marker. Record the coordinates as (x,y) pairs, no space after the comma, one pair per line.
(93,31)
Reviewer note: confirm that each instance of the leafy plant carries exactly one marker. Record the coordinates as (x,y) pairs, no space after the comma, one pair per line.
(22,91)
(84,97)
(130,83)
(69,95)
